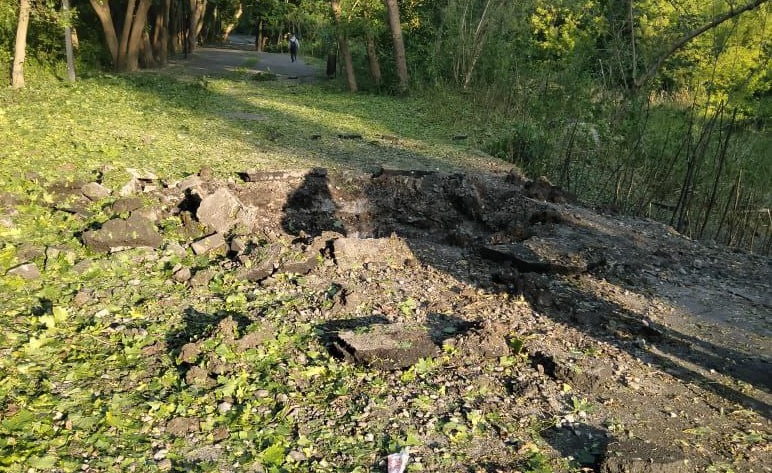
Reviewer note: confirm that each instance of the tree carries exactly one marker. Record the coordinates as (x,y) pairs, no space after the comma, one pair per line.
(125,53)
(68,41)
(675,46)
(348,62)
(399,45)
(197,12)
(20,49)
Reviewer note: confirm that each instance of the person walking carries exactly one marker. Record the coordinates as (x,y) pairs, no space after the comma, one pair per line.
(294,44)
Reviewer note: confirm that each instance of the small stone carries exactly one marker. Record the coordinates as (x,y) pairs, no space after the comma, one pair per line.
(28,271)
(202,278)
(219,211)
(160,454)
(238,245)
(182,275)
(210,244)
(181,426)
(174,248)
(224,407)
(189,182)
(297,456)
(94,191)
(220,433)
(165,465)
(127,204)
(82,298)
(134,186)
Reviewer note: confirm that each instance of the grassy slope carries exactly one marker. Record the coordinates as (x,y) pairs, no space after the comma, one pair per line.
(176,127)
(89,379)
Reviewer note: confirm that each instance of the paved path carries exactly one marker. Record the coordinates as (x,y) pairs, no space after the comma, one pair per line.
(239,54)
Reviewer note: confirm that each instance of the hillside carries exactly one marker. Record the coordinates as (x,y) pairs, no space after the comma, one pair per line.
(304,314)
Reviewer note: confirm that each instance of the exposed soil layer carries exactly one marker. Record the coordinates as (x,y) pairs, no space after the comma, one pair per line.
(635,348)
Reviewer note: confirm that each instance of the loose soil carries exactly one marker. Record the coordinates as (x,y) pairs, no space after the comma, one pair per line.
(668,339)
(611,340)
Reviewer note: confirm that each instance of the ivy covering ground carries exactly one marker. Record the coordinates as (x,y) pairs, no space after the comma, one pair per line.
(94,375)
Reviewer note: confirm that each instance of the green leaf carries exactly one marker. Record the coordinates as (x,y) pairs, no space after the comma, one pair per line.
(19,420)
(49,321)
(60,314)
(44,463)
(273,455)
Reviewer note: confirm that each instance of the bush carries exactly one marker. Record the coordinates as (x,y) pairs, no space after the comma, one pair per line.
(526,145)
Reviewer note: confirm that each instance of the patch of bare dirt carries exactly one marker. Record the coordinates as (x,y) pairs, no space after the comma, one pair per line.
(639,349)
(669,337)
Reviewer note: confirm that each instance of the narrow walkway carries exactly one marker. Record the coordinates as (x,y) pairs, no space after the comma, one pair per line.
(239,54)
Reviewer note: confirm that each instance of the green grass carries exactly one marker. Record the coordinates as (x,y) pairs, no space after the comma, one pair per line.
(92,374)
(176,127)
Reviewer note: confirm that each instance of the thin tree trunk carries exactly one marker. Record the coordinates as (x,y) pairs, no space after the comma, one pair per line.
(372,54)
(102,10)
(68,43)
(344,49)
(163,51)
(20,48)
(146,51)
(230,26)
(134,43)
(721,159)
(259,36)
(478,43)
(399,44)
(197,10)
(123,46)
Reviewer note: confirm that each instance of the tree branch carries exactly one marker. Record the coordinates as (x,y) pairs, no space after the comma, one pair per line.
(684,40)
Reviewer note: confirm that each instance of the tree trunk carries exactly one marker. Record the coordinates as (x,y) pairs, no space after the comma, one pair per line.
(259,36)
(197,10)
(344,49)
(147,60)
(122,63)
(372,54)
(137,32)
(163,51)
(125,53)
(20,48)
(68,43)
(399,44)
(478,44)
(230,26)
(102,10)
(651,71)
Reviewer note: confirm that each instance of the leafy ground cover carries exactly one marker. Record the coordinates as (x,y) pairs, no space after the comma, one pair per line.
(116,362)
(80,387)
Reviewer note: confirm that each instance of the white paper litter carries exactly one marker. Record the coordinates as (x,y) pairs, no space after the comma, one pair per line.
(397,462)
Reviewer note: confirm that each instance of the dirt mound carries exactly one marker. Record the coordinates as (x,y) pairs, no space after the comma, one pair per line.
(548,307)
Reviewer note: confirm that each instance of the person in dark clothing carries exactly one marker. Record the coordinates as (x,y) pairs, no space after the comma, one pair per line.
(294,44)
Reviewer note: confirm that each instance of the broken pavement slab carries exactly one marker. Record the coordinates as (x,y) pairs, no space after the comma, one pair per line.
(388,347)
(27,271)
(212,244)
(115,234)
(94,191)
(542,257)
(263,176)
(219,211)
(354,252)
